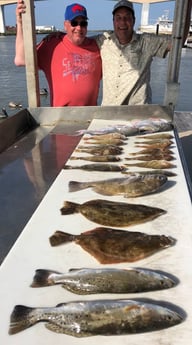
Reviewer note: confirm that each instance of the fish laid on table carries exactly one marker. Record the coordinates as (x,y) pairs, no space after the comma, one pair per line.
(101,150)
(151,157)
(164,142)
(114,135)
(127,130)
(155,145)
(112,213)
(152,151)
(152,125)
(85,281)
(131,186)
(97,158)
(96,317)
(109,246)
(157,136)
(98,167)
(167,173)
(111,141)
(153,164)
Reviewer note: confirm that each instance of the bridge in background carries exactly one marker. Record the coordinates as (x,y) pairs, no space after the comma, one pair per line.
(4,3)
(2,16)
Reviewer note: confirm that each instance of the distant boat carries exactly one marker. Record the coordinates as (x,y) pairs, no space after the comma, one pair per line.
(163,25)
(15,105)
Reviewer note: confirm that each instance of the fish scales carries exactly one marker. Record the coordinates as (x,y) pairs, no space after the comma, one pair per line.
(111,213)
(109,245)
(97,317)
(104,280)
(132,186)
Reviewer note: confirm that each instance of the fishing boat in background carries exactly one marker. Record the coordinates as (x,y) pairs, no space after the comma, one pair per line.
(163,25)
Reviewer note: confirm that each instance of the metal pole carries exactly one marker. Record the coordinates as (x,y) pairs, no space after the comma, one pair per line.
(172,86)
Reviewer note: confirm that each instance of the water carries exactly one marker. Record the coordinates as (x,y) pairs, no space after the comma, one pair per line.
(13,80)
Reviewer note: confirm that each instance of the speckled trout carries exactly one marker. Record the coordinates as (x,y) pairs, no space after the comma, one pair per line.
(112,213)
(85,281)
(97,317)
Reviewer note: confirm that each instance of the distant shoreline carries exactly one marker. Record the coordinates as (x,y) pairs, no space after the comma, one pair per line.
(12,31)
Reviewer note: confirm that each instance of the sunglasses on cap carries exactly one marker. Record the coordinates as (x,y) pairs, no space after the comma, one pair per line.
(82,23)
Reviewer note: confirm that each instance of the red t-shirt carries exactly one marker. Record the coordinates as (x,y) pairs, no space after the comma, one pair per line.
(73,72)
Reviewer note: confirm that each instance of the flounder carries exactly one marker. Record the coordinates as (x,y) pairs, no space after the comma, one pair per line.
(111,246)
(111,213)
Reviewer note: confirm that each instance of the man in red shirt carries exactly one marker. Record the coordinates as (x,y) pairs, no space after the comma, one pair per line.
(72,64)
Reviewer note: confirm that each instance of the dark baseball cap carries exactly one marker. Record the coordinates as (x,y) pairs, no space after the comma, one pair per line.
(124,3)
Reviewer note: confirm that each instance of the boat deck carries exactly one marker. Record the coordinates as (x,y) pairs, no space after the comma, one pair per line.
(34,158)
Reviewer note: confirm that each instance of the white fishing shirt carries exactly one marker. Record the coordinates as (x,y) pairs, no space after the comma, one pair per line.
(126,68)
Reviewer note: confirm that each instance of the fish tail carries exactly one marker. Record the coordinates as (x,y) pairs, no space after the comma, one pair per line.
(69,207)
(60,237)
(43,277)
(75,186)
(22,317)
(74,157)
(68,167)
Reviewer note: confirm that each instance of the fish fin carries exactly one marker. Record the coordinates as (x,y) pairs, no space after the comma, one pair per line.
(60,237)
(21,318)
(99,189)
(69,208)
(43,277)
(75,186)
(65,330)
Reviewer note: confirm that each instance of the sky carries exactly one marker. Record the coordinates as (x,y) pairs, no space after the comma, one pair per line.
(51,12)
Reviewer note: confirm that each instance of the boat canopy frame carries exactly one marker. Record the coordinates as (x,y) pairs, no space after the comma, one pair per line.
(172,85)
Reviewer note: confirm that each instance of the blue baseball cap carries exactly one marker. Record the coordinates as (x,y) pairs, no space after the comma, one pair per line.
(74,10)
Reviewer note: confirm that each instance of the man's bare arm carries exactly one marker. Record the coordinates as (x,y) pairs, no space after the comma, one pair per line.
(19,42)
